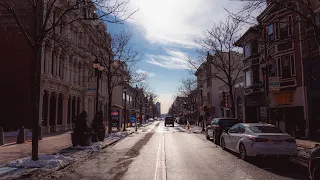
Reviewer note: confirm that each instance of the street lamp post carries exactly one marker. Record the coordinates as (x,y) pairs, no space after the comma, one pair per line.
(266,66)
(98,72)
(201,100)
(125,108)
(136,129)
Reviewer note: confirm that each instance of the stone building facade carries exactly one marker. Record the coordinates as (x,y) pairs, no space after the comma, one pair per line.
(66,70)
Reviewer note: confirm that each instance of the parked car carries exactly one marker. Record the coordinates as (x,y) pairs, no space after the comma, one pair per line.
(192,121)
(182,120)
(217,126)
(169,120)
(255,139)
(314,164)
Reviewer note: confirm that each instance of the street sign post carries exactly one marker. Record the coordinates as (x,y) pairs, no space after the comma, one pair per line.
(274,84)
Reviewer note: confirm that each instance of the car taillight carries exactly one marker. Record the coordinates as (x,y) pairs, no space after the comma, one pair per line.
(254,139)
(291,140)
(218,127)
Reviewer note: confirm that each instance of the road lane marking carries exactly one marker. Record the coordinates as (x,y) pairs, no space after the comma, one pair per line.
(160,171)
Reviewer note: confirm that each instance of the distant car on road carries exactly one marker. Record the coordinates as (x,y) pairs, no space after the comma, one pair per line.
(191,121)
(169,120)
(314,164)
(217,126)
(255,139)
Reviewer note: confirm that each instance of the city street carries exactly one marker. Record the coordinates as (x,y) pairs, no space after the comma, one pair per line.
(173,153)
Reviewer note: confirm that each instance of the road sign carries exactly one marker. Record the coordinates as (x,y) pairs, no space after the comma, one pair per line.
(274,84)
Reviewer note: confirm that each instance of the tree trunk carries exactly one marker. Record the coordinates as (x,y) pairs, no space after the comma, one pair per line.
(109,113)
(35,98)
(232,102)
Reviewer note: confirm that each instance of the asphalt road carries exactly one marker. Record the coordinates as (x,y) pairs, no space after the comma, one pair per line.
(169,153)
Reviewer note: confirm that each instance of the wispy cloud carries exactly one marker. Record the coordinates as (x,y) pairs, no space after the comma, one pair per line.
(150,74)
(178,22)
(171,60)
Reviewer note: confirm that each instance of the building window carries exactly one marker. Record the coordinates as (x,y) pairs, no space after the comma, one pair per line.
(247,50)
(60,68)
(286,66)
(248,79)
(255,74)
(316,18)
(270,32)
(284,28)
(52,61)
(274,69)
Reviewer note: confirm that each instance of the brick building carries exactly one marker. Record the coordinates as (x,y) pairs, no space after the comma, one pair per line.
(287,42)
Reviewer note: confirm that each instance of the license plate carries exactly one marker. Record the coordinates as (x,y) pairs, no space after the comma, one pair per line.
(277,142)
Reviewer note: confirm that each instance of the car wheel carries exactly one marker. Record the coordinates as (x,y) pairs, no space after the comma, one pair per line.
(223,144)
(242,152)
(215,139)
(316,172)
(207,136)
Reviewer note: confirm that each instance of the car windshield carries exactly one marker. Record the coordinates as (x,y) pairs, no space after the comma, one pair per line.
(228,121)
(265,129)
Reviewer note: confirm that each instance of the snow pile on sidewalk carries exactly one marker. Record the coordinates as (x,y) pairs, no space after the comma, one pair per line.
(96,146)
(27,132)
(118,135)
(304,153)
(45,161)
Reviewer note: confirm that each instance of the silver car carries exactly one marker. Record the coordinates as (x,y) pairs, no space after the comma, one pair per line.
(255,139)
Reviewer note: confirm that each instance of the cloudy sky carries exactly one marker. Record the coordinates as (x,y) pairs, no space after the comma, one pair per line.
(165,30)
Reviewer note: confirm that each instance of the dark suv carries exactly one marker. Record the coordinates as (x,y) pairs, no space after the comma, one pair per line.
(314,164)
(217,126)
(169,120)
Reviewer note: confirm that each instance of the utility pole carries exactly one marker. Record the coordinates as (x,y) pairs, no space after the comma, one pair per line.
(201,99)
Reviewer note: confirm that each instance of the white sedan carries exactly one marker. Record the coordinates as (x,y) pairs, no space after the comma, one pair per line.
(254,139)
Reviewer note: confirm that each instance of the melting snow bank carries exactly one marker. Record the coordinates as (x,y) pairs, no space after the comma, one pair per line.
(52,163)
(45,161)
(118,135)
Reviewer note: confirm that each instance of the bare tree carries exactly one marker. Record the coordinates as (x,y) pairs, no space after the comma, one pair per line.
(188,89)
(219,56)
(38,20)
(119,58)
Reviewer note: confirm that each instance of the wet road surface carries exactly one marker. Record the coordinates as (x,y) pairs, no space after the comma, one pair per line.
(157,152)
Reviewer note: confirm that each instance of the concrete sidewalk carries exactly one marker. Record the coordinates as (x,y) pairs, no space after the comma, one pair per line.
(48,145)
